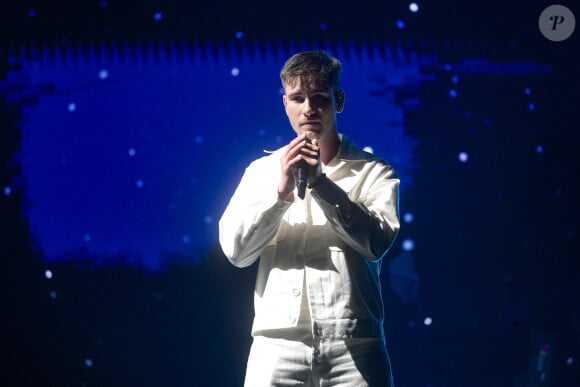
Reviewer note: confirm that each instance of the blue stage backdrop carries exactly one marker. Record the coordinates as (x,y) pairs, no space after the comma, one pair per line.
(130,153)
(126,156)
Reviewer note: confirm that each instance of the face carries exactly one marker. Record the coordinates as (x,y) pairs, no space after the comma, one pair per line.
(311,110)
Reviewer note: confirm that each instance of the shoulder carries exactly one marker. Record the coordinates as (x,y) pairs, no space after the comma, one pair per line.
(350,152)
(268,159)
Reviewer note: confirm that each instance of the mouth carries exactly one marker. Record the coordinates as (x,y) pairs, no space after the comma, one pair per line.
(310,123)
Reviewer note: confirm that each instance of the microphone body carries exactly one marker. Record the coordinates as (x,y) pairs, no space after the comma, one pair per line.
(302,178)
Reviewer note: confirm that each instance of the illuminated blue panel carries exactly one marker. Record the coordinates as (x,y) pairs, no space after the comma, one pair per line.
(131,154)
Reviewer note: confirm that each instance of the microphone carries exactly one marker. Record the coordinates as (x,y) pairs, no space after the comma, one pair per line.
(302,178)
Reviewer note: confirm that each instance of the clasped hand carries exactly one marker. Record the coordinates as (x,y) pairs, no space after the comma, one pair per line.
(300,148)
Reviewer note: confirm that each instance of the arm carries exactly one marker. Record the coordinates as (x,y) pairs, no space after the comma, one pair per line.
(252,216)
(368,225)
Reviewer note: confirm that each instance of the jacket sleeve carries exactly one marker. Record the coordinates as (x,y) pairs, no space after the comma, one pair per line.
(368,223)
(252,216)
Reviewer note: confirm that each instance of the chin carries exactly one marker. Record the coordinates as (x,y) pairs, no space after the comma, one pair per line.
(312,135)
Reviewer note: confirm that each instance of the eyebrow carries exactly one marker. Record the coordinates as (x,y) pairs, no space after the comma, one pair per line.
(298,93)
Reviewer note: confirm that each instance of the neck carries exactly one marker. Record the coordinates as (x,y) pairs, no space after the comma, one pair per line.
(329,147)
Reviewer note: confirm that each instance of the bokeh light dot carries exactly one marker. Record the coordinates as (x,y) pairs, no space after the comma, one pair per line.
(322,27)
(72,107)
(539,149)
(239,35)
(87,238)
(53,294)
(408,217)
(531,106)
(48,274)
(208,219)
(132,152)
(408,245)
(235,72)
(570,361)
(139,183)
(414,7)
(7,191)
(103,74)
(89,363)
(198,139)
(157,16)
(463,157)
(428,321)
(400,24)
(528,90)
(453,93)
(186,239)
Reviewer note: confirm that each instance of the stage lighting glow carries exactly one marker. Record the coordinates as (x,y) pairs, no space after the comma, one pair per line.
(463,157)
(428,321)
(7,191)
(368,149)
(92,158)
(408,245)
(408,217)
(400,24)
(103,74)
(414,7)
(72,107)
(235,72)
(47,274)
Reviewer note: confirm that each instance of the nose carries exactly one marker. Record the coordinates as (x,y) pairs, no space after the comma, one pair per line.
(309,108)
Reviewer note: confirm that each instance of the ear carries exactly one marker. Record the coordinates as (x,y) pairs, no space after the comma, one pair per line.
(339,101)
(284,100)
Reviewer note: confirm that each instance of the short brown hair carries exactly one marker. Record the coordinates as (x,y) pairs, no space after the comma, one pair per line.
(315,69)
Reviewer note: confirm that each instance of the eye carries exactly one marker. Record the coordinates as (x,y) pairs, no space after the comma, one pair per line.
(320,100)
(297,98)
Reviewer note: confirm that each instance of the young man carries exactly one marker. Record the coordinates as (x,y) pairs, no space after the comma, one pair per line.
(318,304)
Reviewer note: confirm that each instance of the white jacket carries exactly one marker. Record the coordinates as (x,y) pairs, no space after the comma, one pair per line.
(334,239)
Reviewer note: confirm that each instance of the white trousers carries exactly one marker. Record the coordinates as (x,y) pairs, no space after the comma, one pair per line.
(325,362)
